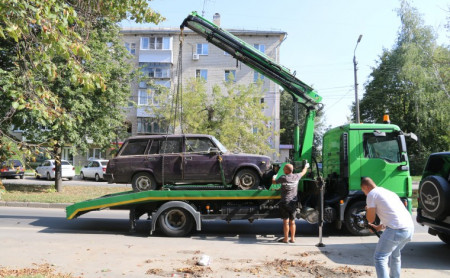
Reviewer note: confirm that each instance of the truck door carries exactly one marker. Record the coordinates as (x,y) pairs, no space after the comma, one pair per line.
(381,160)
(200,165)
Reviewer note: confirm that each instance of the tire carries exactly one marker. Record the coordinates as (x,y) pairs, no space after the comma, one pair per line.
(176,222)
(247,179)
(434,194)
(49,178)
(143,182)
(97,178)
(353,226)
(21,177)
(37,176)
(82,176)
(71,178)
(444,237)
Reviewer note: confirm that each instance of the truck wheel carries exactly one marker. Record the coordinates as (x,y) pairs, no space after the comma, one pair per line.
(247,179)
(444,237)
(143,182)
(176,222)
(434,194)
(353,226)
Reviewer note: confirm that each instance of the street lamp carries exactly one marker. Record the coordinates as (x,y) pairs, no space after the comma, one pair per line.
(358,120)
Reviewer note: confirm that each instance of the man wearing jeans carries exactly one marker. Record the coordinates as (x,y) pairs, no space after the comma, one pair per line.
(397,221)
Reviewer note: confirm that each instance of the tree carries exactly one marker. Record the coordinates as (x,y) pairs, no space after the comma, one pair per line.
(63,67)
(410,83)
(234,117)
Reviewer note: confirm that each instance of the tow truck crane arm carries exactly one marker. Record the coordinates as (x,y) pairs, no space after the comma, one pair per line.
(247,54)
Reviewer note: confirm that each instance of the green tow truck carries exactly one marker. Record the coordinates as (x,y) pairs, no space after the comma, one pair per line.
(349,152)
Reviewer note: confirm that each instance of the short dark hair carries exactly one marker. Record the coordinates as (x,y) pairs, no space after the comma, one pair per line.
(367,181)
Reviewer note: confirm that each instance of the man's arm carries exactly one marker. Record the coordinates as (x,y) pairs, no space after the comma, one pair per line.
(371,214)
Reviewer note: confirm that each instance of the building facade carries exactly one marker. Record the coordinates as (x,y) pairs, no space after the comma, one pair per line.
(156,52)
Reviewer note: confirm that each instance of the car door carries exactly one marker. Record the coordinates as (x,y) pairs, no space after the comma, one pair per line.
(87,170)
(201,165)
(131,159)
(171,160)
(93,169)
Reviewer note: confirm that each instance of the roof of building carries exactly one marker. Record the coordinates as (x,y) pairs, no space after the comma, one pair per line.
(161,30)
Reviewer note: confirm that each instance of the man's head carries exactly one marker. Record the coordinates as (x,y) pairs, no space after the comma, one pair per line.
(367,185)
(288,168)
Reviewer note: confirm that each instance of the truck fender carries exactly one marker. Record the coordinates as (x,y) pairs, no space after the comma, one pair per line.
(176,204)
(357,195)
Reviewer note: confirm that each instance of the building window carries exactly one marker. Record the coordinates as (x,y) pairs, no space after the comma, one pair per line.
(201,73)
(260,47)
(202,48)
(257,76)
(230,75)
(131,47)
(143,97)
(149,125)
(155,43)
(156,70)
(96,153)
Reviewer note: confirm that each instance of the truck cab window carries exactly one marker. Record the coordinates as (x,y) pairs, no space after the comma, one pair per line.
(383,147)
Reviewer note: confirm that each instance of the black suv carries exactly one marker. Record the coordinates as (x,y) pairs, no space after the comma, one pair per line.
(147,162)
(434,196)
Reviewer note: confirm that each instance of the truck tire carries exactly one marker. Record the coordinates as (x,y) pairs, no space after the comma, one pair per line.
(247,179)
(434,196)
(176,222)
(444,237)
(143,182)
(354,227)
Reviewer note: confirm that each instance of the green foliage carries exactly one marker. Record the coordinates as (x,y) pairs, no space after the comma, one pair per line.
(411,82)
(64,67)
(234,117)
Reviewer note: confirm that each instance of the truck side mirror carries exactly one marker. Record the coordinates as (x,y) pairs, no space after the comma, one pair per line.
(402,143)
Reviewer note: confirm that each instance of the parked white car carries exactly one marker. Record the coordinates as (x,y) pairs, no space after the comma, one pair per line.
(94,170)
(47,169)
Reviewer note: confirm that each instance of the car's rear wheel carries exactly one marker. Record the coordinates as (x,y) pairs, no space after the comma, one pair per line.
(176,222)
(97,178)
(247,179)
(21,177)
(82,176)
(143,182)
(48,176)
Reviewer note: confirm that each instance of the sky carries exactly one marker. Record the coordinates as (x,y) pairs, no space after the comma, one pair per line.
(322,36)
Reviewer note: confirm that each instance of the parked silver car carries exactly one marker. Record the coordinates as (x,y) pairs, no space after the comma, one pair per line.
(94,170)
(47,169)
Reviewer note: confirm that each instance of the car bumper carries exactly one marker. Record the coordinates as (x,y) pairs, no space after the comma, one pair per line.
(9,174)
(439,226)
(108,177)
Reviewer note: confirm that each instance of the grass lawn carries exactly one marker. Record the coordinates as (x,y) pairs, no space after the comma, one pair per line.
(47,193)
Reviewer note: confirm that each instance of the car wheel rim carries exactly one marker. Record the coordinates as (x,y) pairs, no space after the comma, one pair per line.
(175,219)
(143,183)
(247,181)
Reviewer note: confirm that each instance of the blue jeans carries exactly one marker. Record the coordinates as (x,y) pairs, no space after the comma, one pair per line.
(388,250)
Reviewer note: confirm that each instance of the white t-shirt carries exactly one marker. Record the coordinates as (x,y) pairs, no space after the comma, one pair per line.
(389,208)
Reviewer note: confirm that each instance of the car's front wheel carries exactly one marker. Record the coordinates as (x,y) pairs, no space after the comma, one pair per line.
(82,176)
(247,179)
(143,182)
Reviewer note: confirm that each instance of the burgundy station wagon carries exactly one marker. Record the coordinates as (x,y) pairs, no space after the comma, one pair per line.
(147,162)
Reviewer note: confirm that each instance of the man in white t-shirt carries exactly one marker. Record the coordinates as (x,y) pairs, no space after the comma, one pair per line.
(397,221)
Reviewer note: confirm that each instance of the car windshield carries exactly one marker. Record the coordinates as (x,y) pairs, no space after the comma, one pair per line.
(219,145)
(14,163)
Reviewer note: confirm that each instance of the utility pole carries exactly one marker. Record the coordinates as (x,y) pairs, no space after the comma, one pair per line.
(358,120)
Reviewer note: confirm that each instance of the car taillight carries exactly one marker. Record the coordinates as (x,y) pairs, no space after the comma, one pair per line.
(53,169)
(73,168)
(104,169)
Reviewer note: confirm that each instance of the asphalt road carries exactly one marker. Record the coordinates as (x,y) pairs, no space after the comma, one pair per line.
(98,245)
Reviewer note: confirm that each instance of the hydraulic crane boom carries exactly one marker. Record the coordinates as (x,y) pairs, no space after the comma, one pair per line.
(247,54)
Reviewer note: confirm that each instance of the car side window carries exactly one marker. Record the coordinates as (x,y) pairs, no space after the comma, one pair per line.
(170,145)
(154,148)
(47,163)
(135,147)
(95,164)
(198,145)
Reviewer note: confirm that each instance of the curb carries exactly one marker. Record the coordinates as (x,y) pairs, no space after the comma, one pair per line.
(33,204)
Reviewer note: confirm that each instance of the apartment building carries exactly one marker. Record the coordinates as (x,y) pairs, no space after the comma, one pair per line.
(156,51)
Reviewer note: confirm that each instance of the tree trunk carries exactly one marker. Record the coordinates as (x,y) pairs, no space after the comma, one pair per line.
(58,169)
